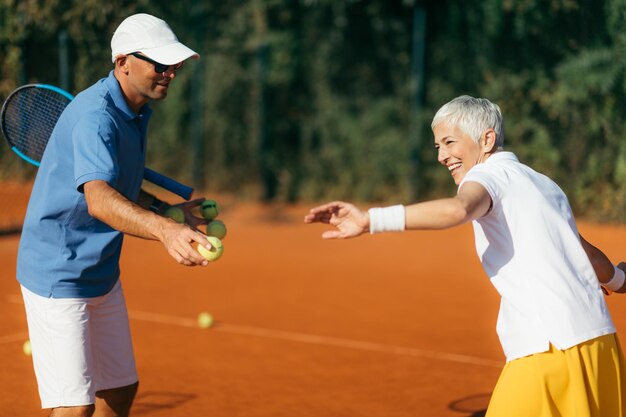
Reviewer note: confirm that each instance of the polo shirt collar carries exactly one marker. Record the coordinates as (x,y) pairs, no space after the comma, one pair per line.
(118,98)
(501,156)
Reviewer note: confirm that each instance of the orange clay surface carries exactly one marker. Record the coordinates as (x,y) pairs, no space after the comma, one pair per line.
(387,325)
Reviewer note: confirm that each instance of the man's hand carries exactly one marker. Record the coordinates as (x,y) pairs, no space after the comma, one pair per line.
(179,239)
(109,206)
(191,219)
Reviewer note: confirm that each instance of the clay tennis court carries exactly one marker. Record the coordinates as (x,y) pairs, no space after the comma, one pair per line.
(390,325)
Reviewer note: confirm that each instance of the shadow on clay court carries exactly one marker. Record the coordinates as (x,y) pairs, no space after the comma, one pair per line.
(152,401)
(475,404)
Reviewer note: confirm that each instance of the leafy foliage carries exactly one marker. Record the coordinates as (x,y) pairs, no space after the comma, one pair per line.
(312,99)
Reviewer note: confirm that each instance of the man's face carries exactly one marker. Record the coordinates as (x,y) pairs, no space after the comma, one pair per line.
(456,150)
(146,82)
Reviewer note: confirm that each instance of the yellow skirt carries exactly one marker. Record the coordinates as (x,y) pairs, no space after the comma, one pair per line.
(587,380)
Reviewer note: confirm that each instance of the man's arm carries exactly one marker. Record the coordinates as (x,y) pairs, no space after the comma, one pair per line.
(109,206)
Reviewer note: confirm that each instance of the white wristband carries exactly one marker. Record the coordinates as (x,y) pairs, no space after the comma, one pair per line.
(617,282)
(387,219)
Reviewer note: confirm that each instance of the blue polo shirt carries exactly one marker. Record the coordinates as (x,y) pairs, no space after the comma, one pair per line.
(64,252)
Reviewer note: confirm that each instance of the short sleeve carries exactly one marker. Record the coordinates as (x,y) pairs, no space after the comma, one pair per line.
(95,149)
(483,175)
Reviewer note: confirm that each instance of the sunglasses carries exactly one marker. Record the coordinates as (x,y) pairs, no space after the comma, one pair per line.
(158,67)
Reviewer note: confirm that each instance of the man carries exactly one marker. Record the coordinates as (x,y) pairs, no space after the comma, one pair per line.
(85,198)
(563,356)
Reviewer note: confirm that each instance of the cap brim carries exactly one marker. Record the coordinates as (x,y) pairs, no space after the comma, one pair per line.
(170,54)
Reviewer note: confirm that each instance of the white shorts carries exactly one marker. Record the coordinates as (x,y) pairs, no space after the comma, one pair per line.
(80,346)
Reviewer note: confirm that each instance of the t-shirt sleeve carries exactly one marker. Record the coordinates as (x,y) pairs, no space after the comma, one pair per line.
(488,179)
(95,149)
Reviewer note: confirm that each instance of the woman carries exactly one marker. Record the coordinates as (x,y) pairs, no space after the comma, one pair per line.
(563,356)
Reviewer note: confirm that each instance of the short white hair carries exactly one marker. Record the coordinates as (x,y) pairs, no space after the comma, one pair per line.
(473,116)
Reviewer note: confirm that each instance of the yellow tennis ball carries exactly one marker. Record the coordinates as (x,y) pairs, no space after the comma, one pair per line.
(205,320)
(216,228)
(216,249)
(209,209)
(176,214)
(26,348)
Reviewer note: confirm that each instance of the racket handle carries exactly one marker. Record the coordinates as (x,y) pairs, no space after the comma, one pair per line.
(168,183)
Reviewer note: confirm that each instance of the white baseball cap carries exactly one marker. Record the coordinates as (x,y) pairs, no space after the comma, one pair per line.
(152,37)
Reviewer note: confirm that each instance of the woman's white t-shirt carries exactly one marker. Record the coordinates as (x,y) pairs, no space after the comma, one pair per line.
(529,246)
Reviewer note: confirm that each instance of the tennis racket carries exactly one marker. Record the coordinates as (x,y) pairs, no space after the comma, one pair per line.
(28,117)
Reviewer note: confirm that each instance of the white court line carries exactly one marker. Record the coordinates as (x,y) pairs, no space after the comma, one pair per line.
(317,340)
(20,337)
(300,337)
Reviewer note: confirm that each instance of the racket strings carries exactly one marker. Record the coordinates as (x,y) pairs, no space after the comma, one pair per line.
(29,117)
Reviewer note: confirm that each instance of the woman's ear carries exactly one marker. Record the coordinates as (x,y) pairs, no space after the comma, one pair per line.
(488,141)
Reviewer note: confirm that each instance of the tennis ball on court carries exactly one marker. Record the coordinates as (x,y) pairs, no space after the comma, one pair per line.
(26,348)
(215,252)
(205,320)
(176,214)
(216,228)
(209,209)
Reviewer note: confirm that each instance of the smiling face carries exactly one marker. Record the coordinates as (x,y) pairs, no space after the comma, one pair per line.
(458,152)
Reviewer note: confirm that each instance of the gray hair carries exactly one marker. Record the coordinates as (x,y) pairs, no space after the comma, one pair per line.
(473,116)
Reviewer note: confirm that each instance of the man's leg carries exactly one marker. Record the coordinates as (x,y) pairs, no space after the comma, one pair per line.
(115,402)
(114,363)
